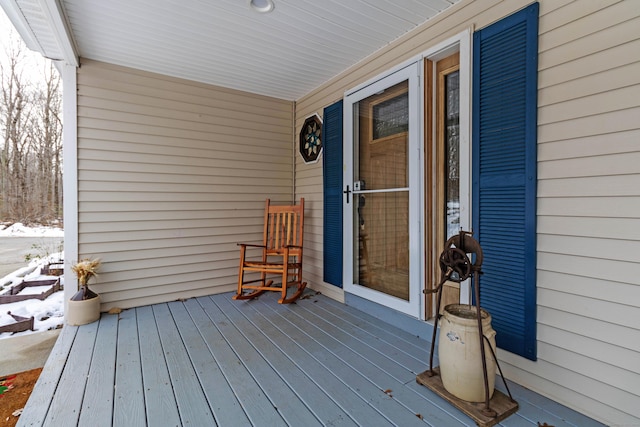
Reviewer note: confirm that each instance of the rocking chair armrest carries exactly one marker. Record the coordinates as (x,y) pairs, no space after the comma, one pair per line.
(250,245)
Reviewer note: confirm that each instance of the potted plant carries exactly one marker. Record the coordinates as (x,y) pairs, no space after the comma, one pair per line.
(84,305)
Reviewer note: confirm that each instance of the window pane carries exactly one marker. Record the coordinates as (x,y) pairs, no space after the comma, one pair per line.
(381,236)
(382,240)
(382,162)
(391,116)
(452,153)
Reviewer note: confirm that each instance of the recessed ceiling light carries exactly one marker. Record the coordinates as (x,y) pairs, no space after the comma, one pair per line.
(262,6)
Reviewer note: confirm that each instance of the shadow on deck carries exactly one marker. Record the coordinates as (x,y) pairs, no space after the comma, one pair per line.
(212,361)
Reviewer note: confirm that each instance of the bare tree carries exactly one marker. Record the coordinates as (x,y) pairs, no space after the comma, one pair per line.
(47,129)
(30,155)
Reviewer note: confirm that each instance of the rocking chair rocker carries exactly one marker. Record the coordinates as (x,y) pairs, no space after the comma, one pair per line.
(281,255)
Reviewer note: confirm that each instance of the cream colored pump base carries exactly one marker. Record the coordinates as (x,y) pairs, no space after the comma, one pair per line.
(459,352)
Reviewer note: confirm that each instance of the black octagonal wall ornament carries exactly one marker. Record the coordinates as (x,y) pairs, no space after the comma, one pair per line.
(311,139)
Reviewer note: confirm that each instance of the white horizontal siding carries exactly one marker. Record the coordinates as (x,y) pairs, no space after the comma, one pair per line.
(171,174)
(588,194)
(589,208)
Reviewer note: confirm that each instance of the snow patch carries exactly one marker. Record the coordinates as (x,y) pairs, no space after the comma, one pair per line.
(48,314)
(20,230)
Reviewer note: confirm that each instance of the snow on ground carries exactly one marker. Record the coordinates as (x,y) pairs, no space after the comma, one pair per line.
(20,230)
(48,314)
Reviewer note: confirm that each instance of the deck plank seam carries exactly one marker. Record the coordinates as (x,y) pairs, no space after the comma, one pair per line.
(148,329)
(226,369)
(181,369)
(266,356)
(98,373)
(368,334)
(528,408)
(37,409)
(406,373)
(351,365)
(295,362)
(275,368)
(453,412)
(86,377)
(428,396)
(188,355)
(327,368)
(125,365)
(73,380)
(321,332)
(397,333)
(577,420)
(217,416)
(375,322)
(144,397)
(207,312)
(193,362)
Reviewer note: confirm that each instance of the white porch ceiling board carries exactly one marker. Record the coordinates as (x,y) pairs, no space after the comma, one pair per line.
(285,54)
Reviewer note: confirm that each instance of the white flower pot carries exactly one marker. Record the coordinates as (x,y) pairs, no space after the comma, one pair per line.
(83,312)
(459,352)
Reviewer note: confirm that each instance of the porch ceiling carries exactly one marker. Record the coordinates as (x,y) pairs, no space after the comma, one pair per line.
(286,53)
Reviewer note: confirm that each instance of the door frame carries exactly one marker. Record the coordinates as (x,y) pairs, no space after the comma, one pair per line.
(463,44)
(410,71)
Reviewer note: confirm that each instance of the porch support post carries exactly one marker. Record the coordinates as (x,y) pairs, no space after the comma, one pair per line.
(70,176)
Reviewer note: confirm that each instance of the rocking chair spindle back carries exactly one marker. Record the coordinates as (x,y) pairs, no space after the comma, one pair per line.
(281,255)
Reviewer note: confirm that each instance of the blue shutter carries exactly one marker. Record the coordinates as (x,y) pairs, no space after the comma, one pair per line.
(504,175)
(332,186)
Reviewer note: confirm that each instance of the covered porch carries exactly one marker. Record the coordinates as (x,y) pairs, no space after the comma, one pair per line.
(213,361)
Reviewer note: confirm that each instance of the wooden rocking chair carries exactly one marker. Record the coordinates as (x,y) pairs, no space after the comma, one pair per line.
(281,257)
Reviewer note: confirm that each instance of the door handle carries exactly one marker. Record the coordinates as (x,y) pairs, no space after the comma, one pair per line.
(347,192)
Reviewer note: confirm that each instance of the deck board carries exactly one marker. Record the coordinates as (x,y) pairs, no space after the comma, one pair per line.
(369,371)
(407,342)
(193,397)
(160,402)
(222,400)
(129,407)
(301,350)
(377,328)
(376,339)
(257,407)
(352,379)
(192,404)
(97,405)
(379,367)
(308,392)
(537,408)
(65,408)
(283,398)
(263,377)
(37,407)
(214,361)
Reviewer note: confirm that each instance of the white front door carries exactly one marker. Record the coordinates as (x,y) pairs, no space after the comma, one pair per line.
(382,153)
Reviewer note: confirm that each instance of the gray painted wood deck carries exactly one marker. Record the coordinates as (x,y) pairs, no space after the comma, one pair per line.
(213,361)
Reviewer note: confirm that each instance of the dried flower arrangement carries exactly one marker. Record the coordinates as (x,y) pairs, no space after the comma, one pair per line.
(85,269)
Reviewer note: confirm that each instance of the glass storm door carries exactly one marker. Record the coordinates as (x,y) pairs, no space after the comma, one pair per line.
(381,203)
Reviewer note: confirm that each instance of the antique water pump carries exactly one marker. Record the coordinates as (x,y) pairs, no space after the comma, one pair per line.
(460,260)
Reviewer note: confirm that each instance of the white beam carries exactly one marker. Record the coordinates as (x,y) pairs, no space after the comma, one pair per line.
(55,16)
(70,176)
